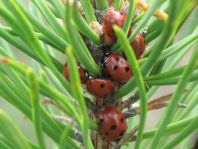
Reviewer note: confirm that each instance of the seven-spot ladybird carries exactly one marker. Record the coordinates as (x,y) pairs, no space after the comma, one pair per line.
(138,45)
(112,123)
(111,18)
(117,67)
(82,71)
(100,87)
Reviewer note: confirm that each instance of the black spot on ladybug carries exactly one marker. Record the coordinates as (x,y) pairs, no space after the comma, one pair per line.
(115,67)
(122,120)
(113,127)
(101,120)
(102,85)
(127,69)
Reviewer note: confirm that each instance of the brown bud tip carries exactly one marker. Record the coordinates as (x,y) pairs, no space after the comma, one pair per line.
(5,60)
(125,7)
(96,27)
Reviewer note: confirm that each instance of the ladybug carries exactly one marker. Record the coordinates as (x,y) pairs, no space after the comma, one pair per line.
(138,45)
(116,67)
(100,87)
(111,18)
(82,72)
(112,123)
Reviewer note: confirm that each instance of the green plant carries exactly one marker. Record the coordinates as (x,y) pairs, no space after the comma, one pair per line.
(35,29)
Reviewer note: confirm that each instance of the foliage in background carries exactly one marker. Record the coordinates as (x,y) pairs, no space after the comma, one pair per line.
(36,30)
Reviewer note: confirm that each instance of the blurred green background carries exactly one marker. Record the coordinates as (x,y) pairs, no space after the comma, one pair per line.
(27,128)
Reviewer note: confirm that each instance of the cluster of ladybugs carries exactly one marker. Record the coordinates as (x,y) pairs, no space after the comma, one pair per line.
(116,70)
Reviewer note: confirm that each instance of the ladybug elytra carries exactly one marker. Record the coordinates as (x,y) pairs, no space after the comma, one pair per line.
(82,72)
(100,87)
(138,45)
(117,67)
(112,123)
(111,18)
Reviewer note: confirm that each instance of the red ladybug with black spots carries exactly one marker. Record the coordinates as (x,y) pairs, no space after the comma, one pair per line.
(116,67)
(100,87)
(111,18)
(82,72)
(112,123)
(138,45)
